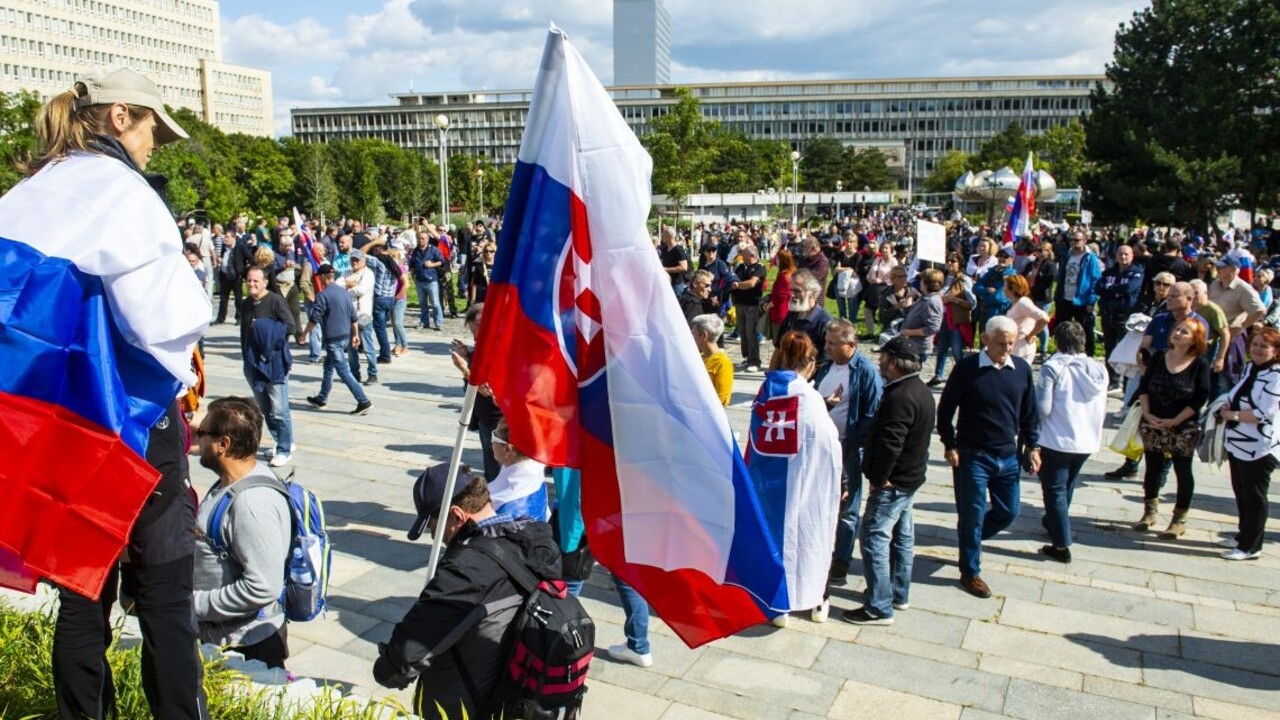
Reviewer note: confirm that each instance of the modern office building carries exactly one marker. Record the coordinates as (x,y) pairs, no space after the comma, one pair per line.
(913,121)
(641,43)
(44,44)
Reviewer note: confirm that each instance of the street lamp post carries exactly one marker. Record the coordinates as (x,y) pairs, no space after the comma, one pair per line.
(480,177)
(795,183)
(839,187)
(442,123)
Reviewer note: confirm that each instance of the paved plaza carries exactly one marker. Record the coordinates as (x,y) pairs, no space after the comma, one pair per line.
(1136,627)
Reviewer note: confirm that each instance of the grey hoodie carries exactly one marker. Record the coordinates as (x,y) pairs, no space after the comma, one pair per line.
(236,594)
(1072,395)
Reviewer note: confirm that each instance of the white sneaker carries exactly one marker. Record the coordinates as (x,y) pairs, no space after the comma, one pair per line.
(753,368)
(902,606)
(624,654)
(1239,554)
(782,620)
(820,613)
(1228,543)
(279,459)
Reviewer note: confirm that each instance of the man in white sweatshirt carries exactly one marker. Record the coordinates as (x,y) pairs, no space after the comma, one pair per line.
(1072,396)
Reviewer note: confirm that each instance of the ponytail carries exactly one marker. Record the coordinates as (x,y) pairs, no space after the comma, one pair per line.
(62,127)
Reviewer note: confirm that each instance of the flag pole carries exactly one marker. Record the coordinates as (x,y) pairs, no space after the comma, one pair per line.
(437,539)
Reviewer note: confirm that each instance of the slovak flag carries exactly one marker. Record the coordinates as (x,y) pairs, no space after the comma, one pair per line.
(1024,205)
(98,315)
(794,457)
(308,244)
(593,366)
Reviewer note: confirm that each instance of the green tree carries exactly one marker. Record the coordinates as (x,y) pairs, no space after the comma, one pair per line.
(678,144)
(314,190)
(946,171)
(1190,124)
(823,161)
(17,134)
(1007,148)
(1060,151)
(867,167)
(225,199)
(262,171)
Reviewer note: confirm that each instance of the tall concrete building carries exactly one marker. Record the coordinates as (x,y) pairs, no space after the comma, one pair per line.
(641,43)
(44,44)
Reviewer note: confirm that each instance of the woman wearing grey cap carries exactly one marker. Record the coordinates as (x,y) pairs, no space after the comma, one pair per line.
(98,137)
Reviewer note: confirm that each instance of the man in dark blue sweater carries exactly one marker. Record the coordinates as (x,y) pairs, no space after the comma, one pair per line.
(995,394)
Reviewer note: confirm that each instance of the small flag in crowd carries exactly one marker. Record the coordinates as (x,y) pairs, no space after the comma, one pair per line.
(1024,206)
(97,324)
(307,242)
(593,366)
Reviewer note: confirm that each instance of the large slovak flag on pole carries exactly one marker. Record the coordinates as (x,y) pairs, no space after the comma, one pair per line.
(1024,205)
(594,367)
(98,315)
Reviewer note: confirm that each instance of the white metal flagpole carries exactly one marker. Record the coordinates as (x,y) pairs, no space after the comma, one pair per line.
(437,539)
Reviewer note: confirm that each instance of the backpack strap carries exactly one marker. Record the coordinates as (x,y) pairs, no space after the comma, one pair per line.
(525,581)
(218,520)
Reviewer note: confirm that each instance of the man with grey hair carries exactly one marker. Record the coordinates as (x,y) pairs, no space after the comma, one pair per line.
(696,298)
(995,395)
(805,312)
(747,291)
(896,457)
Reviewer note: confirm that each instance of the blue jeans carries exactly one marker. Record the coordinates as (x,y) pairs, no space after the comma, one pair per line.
(981,475)
(849,518)
(848,308)
(950,344)
(397,321)
(314,345)
(273,401)
(1044,334)
(381,313)
(366,346)
(888,544)
(335,360)
(1058,472)
(636,625)
(429,303)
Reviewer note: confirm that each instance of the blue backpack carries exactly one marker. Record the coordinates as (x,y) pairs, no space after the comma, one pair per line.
(306,572)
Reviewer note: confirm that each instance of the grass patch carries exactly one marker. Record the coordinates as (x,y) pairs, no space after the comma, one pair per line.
(26,682)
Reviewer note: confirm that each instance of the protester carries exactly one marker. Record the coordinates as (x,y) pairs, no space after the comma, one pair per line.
(780,294)
(1026,315)
(1118,292)
(486,415)
(923,319)
(1219,337)
(519,490)
(264,346)
(989,288)
(1252,444)
(453,641)
(805,312)
(846,264)
(897,457)
(229,277)
(335,314)
(1077,292)
(995,396)
(1175,387)
(851,387)
(425,263)
(1041,273)
(1072,395)
(812,260)
(360,283)
(240,565)
(707,329)
(1168,261)
(877,284)
(795,468)
(1238,300)
(958,303)
(401,303)
(386,279)
(896,299)
(675,259)
(100,135)
(747,292)
(696,298)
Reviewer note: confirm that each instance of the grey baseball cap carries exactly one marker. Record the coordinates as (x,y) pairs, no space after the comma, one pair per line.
(104,86)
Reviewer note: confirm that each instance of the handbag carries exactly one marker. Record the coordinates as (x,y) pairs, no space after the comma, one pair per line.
(1128,441)
(848,284)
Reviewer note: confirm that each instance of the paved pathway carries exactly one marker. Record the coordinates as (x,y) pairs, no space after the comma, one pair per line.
(1136,627)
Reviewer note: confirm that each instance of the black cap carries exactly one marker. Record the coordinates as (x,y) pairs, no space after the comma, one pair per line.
(901,348)
(428,493)
(324,269)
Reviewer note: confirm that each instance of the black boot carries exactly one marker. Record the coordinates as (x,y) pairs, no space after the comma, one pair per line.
(1128,470)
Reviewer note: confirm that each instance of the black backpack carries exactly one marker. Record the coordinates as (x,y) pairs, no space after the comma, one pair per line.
(552,641)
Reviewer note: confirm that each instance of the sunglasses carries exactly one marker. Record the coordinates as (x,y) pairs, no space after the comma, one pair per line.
(1163,284)
(200,432)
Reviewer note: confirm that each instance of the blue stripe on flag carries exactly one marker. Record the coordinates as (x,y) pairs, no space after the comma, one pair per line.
(535,228)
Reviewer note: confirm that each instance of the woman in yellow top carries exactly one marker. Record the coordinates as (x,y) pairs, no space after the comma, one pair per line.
(707,330)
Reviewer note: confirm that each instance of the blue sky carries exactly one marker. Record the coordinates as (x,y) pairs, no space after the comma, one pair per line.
(326,53)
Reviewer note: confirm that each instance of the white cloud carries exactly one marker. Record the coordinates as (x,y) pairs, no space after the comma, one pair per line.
(441,45)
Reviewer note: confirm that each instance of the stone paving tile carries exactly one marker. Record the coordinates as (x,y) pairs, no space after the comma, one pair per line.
(1161,699)
(1054,651)
(918,676)
(1234,624)
(770,643)
(857,701)
(1262,656)
(1067,679)
(734,704)
(1198,679)
(1104,628)
(616,703)
(333,629)
(764,680)
(684,712)
(1210,708)
(871,637)
(1033,701)
(1121,605)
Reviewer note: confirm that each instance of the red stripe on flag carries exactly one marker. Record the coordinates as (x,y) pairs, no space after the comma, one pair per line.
(695,607)
(69,498)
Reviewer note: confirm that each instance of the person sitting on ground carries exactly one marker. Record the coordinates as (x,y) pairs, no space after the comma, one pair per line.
(452,640)
(240,566)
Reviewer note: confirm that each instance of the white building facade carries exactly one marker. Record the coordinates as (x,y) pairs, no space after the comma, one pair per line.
(45,44)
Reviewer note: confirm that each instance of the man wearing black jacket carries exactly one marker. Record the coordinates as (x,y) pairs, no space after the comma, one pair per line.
(895,457)
(453,640)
